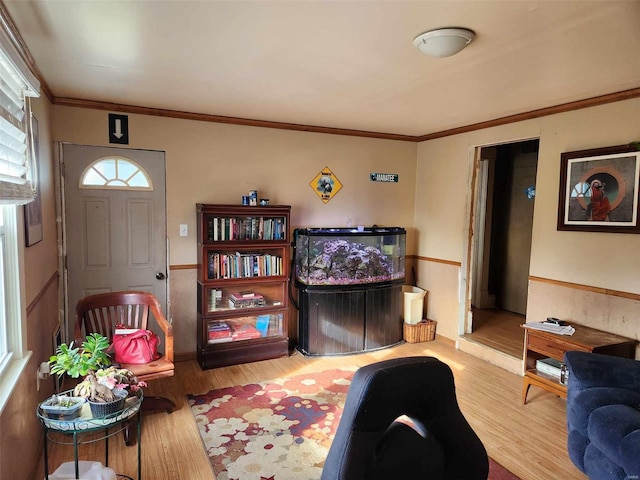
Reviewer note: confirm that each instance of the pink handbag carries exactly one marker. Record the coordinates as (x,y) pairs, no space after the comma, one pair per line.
(135,346)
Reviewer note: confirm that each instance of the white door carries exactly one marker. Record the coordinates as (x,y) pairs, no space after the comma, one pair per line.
(115,222)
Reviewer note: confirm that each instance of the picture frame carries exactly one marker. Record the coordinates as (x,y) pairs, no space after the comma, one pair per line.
(600,190)
(33,210)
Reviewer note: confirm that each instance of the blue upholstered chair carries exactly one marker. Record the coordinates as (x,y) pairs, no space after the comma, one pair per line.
(370,444)
(603,415)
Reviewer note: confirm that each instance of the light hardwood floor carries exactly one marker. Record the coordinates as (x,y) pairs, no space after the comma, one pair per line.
(529,440)
(498,329)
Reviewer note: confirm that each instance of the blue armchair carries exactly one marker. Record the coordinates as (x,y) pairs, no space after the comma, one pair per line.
(603,415)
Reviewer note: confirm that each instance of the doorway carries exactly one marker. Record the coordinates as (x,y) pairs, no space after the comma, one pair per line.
(501,244)
(114,223)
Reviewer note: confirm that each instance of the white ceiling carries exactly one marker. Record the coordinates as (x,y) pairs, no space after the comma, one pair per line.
(339,64)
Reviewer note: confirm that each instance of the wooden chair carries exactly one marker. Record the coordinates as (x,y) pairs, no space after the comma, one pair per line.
(101,313)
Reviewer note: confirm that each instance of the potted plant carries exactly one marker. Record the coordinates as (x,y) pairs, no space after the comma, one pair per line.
(62,407)
(101,383)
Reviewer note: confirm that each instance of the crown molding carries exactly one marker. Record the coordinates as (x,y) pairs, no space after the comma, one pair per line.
(203,117)
(542,112)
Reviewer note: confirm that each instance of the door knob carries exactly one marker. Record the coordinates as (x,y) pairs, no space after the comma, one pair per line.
(160,276)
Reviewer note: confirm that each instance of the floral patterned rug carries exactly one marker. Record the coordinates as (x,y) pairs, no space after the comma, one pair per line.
(279,429)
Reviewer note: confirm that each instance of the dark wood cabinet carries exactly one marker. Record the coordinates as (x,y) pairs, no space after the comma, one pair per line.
(243,280)
(349,320)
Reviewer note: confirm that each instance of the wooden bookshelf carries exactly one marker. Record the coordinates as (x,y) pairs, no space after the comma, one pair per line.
(243,283)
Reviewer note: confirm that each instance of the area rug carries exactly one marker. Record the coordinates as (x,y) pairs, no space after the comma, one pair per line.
(279,429)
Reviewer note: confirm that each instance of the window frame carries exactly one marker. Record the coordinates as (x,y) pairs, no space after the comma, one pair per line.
(14,303)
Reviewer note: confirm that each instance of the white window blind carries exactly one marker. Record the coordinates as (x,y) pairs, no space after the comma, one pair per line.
(16,82)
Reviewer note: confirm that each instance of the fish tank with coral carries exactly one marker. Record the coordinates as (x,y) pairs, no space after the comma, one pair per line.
(349,256)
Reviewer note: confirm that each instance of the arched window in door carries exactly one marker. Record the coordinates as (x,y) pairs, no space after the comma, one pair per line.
(117,173)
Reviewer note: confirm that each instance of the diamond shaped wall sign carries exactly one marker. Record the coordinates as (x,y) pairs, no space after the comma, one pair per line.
(325,184)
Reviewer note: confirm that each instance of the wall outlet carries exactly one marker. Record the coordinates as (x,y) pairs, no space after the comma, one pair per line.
(184,230)
(42,373)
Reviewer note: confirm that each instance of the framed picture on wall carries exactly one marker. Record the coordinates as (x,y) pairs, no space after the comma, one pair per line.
(599,190)
(33,210)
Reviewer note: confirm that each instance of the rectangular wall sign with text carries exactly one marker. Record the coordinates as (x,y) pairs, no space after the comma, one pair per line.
(384,177)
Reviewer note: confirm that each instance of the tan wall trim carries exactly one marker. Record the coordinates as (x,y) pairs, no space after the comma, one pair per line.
(193,266)
(587,288)
(409,257)
(41,293)
(435,260)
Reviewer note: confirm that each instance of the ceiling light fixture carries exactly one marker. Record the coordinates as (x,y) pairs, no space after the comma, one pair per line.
(443,42)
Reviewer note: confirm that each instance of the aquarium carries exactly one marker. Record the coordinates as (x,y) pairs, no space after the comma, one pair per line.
(348,256)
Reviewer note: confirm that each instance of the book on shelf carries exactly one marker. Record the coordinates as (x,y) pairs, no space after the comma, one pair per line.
(219,331)
(262,324)
(220,340)
(550,366)
(245,295)
(215,298)
(244,331)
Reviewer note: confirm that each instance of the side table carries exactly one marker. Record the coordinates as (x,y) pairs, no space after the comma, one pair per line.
(86,425)
(539,344)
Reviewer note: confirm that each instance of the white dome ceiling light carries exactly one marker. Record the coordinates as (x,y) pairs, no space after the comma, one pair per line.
(443,42)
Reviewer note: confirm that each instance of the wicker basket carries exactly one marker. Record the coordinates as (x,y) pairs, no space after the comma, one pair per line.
(423,331)
(102,410)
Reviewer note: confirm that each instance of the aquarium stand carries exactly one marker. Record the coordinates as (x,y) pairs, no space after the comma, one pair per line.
(343,320)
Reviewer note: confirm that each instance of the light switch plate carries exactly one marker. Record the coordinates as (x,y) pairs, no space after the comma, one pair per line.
(184,230)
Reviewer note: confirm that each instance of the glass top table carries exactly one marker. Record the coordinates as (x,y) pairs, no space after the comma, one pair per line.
(86,423)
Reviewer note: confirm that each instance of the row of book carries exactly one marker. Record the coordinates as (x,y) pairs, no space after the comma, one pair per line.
(242,265)
(220,331)
(246,228)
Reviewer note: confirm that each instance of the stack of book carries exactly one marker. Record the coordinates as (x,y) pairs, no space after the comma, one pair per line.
(218,332)
(550,366)
(246,299)
(244,331)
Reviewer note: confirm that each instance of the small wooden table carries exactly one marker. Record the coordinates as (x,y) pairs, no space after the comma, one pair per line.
(539,344)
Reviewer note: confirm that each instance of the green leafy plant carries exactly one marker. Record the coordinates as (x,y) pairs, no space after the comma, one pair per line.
(79,361)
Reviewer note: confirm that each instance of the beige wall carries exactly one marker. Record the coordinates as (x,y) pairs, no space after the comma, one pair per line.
(218,163)
(20,430)
(602,260)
